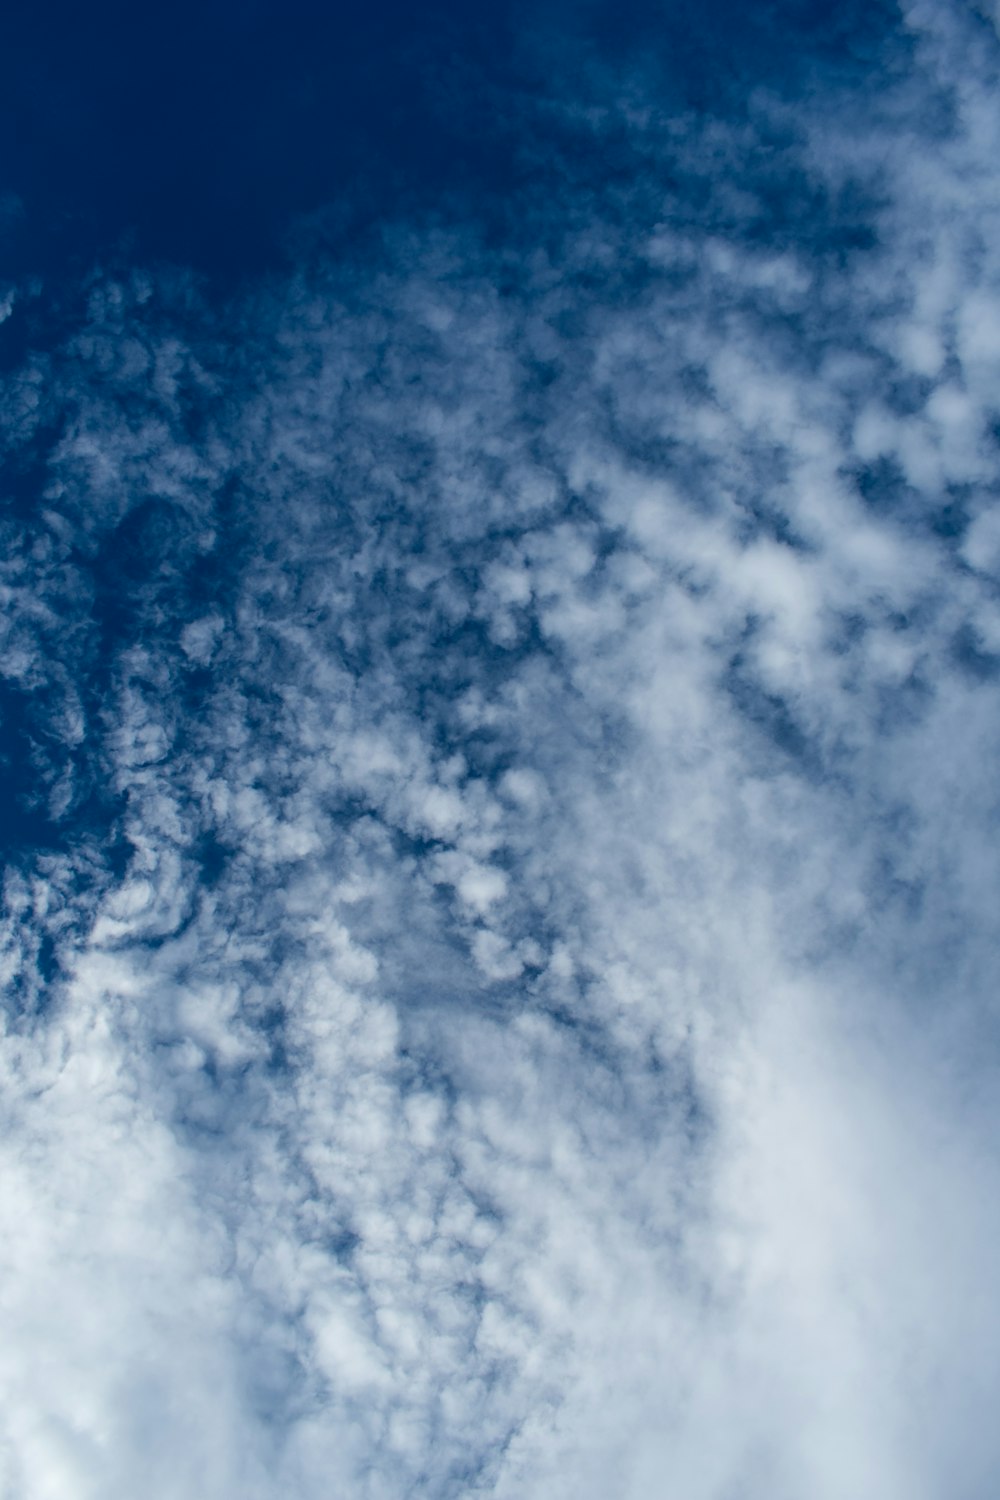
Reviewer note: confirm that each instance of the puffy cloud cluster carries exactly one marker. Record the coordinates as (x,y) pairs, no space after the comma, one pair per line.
(500,940)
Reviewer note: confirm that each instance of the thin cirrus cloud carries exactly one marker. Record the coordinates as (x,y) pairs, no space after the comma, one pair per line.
(499,930)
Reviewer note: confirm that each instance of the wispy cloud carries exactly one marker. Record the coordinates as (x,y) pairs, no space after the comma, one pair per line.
(501,968)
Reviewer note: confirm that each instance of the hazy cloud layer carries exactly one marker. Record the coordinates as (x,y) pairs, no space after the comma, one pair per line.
(500,924)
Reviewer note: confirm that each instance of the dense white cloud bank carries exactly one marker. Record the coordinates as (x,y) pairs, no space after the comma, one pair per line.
(514,1014)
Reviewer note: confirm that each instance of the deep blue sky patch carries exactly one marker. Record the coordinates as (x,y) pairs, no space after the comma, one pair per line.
(202,135)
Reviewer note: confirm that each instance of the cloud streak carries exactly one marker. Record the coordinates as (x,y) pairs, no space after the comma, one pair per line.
(500,939)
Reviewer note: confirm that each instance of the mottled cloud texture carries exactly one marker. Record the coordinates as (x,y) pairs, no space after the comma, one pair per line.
(500,933)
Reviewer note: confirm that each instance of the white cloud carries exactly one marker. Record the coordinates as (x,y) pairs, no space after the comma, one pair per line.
(532,1034)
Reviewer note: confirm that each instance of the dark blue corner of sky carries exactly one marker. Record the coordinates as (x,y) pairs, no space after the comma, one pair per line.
(201,133)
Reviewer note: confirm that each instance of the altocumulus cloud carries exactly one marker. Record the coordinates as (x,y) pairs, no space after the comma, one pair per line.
(499,936)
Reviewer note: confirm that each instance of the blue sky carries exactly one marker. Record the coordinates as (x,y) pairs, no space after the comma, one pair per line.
(498,716)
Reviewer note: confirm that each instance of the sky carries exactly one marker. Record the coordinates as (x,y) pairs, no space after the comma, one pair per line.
(499,720)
